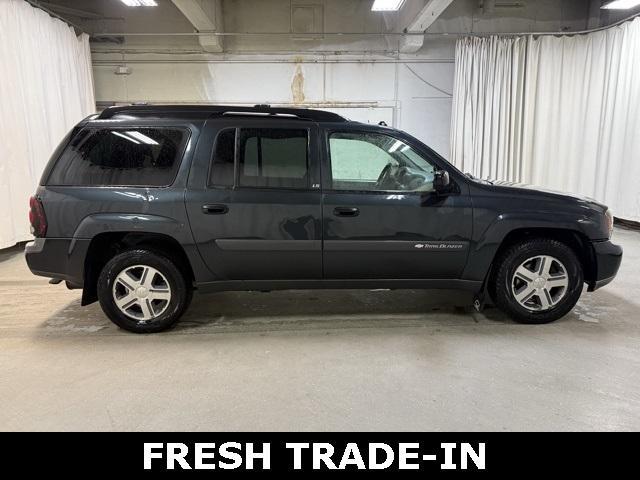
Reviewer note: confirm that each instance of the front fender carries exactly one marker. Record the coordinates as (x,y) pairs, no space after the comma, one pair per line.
(486,244)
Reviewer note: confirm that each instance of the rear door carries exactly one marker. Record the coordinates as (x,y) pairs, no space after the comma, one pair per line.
(254,199)
(382,217)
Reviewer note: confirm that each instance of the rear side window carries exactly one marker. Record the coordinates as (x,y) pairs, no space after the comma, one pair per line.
(273,157)
(121,157)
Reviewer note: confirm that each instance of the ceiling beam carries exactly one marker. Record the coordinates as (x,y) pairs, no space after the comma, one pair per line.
(422,21)
(205,16)
(75,12)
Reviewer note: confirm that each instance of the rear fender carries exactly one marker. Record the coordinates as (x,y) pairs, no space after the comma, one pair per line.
(100,223)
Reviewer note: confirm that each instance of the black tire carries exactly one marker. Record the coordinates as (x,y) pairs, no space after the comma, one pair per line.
(514,256)
(181,292)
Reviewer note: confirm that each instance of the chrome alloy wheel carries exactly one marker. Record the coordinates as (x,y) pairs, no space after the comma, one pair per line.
(141,292)
(539,283)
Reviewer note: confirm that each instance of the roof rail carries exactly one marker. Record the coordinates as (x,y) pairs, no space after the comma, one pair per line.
(145,110)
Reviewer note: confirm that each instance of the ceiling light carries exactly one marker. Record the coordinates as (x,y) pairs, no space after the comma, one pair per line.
(140,3)
(621,4)
(386,5)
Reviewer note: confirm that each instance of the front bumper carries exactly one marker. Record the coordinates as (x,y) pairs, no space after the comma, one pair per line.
(608,257)
(61,258)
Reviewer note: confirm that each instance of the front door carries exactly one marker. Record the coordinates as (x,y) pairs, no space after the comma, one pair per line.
(252,204)
(382,217)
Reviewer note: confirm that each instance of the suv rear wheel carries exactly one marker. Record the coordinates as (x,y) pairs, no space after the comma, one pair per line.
(538,281)
(142,291)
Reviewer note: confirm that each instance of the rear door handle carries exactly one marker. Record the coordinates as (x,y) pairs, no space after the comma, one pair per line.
(346,211)
(218,209)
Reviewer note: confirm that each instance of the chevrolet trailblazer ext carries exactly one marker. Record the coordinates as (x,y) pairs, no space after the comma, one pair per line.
(141,205)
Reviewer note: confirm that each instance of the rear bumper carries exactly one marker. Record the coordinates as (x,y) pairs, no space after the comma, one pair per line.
(61,258)
(608,257)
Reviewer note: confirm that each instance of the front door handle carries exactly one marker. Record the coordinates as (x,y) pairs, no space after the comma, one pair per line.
(346,211)
(217,209)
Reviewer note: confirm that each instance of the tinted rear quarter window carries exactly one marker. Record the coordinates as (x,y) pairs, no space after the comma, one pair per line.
(121,157)
(222,166)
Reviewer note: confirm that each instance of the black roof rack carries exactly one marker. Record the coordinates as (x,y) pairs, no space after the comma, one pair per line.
(144,110)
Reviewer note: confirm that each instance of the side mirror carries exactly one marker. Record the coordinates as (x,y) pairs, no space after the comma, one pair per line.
(441,181)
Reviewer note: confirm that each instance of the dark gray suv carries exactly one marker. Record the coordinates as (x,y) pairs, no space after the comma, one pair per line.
(141,205)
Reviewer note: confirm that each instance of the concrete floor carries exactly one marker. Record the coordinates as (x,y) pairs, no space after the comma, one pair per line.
(320,360)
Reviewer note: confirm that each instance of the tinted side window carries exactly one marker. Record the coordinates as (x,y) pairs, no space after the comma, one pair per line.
(221,173)
(121,157)
(271,157)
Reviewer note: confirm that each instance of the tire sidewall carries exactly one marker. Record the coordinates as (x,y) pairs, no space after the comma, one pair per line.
(179,294)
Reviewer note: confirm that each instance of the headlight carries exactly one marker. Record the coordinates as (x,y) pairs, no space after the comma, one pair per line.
(609,219)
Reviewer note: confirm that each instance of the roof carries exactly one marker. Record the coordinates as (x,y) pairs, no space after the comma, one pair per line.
(213,110)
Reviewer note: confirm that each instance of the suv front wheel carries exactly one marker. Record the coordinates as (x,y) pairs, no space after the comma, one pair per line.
(142,291)
(538,281)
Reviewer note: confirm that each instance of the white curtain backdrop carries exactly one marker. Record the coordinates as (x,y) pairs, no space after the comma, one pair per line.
(560,112)
(46,87)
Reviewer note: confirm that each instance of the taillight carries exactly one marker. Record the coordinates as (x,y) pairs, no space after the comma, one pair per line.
(37,218)
(608,215)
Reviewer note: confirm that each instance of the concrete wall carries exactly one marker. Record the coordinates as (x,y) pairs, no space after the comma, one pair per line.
(361,76)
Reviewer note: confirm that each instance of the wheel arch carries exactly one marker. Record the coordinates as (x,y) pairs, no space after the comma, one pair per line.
(106,245)
(574,239)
